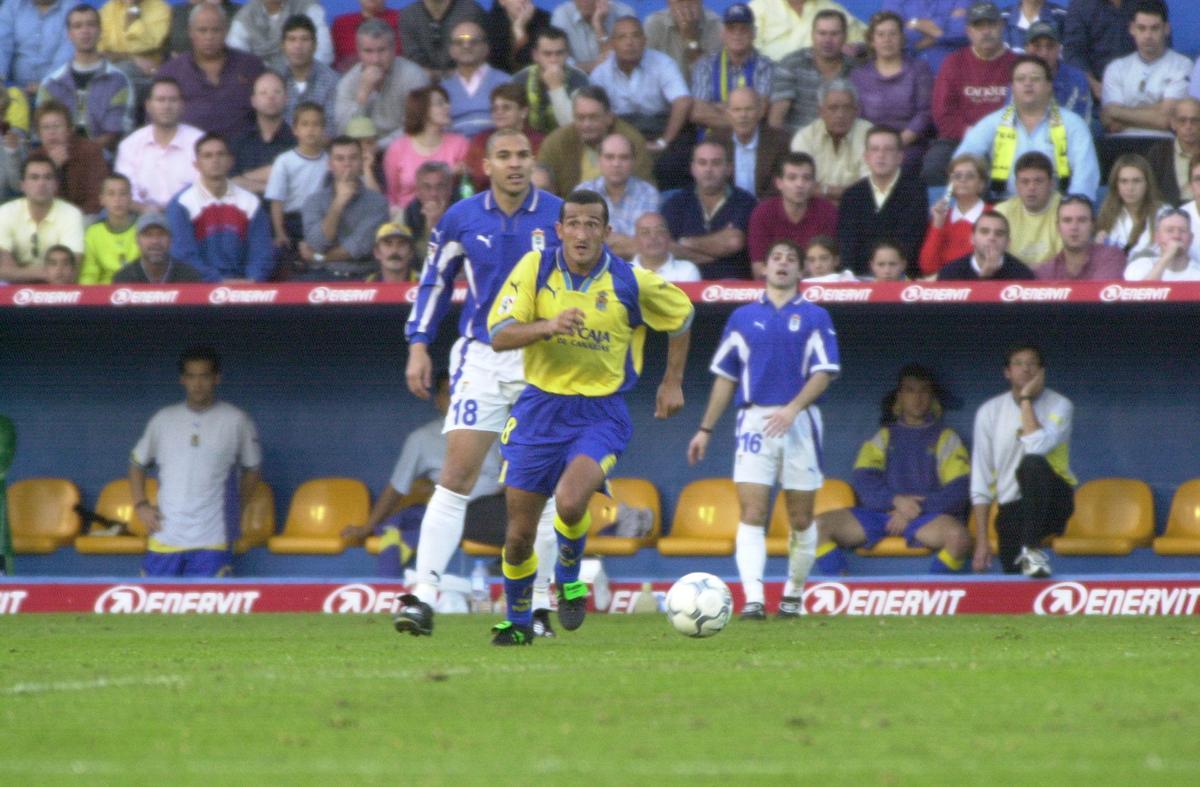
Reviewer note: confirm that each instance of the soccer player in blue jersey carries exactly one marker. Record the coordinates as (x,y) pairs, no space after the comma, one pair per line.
(482,237)
(777,356)
(912,480)
(581,315)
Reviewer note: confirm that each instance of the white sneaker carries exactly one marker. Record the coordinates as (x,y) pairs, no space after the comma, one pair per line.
(1034,563)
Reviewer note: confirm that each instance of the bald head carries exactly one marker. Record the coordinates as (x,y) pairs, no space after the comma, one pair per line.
(745,111)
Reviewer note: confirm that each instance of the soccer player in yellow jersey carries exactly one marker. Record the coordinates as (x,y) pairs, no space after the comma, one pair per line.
(581,314)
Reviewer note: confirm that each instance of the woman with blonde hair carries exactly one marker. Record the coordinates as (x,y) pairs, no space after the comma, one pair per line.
(952,218)
(1126,218)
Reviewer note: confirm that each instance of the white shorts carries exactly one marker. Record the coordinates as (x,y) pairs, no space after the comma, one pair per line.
(793,460)
(484,385)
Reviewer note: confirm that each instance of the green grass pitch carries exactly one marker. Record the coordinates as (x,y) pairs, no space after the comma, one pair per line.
(311,699)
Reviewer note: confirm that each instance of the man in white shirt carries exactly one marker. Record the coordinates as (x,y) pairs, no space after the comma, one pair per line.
(1171,258)
(652,240)
(1020,460)
(1140,88)
(588,25)
(195,445)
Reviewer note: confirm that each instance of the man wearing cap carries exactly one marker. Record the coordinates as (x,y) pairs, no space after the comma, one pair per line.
(1071,88)
(341,219)
(972,82)
(686,31)
(785,26)
(394,253)
(155,264)
(737,64)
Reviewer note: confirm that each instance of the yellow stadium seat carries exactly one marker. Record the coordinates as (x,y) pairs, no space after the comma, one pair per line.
(706,519)
(1182,536)
(418,496)
(635,493)
(41,513)
(320,509)
(258,520)
(116,503)
(832,495)
(1112,517)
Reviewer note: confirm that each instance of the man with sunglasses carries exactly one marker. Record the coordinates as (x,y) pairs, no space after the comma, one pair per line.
(30,225)
(472,81)
(425,31)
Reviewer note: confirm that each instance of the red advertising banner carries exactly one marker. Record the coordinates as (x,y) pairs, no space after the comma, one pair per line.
(1143,596)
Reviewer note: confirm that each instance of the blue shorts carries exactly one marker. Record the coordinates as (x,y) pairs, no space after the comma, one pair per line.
(187,563)
(547,431)
(874,524)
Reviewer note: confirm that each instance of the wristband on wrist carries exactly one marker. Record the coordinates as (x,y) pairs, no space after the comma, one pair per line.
(704,429)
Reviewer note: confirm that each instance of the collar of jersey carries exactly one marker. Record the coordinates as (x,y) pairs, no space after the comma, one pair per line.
(601,268)
(529,205)
(762,298)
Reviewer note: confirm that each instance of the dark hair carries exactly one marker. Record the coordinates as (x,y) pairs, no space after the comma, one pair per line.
(595,93)
(583,197)
(830,13)
(38,158)
(887,243)
(299,22)
(510,91)
(910,371)
(209,136)
(416,107)
(309,106)
(790,245)
(1020,347)
(117,176)
(825,242)
(1154,7)
(991,214)
(51,107)
(163,80)
(1028,58)
(1034,160)
(200,352)
(82,8)
(342,141)
(60,247)
(551,32)
(877,129)
(795,159)
(1077,199)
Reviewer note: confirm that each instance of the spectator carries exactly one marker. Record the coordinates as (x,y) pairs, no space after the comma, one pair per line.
(100,93)
(820,258)
(972,83)
(1072,90)
(1095,33)
(257,28)
(550,82)
(895,90)
(1033,214)
(627,197)
(340,220)
(14,114)
(1019,460)
(179,40)
(573,152)
(1191,207)
(435,193)
(217,227)
(1141,88)
(472,81)
(652,240)
(888,262)
(882,205)
(1172,257)
(196,445)
(796,214)
(715,77)
(952,218)
(215,79)
(755,148)
(1169,158)
(425,28)
(378,86)
(799,77)
(32,43)
(837,139)
(31,224)
(589,26)
(395,254)
(510,110)
(512,26)
(135,32)
(785,26)
(685,31)
(255,150)
(61,267)
(933,28)
(912,479)
(363,131)
(989,258)
(110,243)
(1127,213)
(153,263)
(10,165)
(1081,257)
(1034,122)
(426,137)
(296,175)
(79,162)
(158,158)
(542,177)
(345,30)
(1021,16)
(644,88)
(304,78)
(708,222)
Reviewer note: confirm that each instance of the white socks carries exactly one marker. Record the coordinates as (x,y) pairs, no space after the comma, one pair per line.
(802,553)
(546,549)
(751,557)
(441,532)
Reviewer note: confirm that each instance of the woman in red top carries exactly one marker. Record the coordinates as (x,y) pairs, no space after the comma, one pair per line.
(952,218)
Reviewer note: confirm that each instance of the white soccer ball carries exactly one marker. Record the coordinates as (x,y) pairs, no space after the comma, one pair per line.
(699,605)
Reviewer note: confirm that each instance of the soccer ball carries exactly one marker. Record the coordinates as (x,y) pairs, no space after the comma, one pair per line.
(699,605)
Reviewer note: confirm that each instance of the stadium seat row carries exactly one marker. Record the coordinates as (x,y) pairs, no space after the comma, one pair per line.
(1113,516)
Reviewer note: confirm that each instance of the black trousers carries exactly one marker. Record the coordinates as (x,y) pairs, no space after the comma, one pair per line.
(1047,502)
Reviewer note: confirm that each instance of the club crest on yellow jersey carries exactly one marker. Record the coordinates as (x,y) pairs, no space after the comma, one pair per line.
(602,301)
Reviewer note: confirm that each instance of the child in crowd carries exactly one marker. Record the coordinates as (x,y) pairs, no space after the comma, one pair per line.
(110,243)
(296,175)
(887,262)
(60,265)
(821,261)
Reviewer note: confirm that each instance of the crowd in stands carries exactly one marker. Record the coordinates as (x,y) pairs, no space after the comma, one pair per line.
(950,139)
